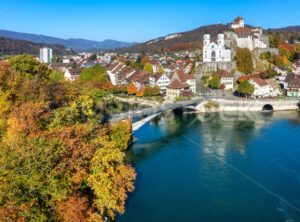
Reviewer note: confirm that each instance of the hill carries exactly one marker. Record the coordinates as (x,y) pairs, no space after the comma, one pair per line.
(180,41)
(286,29)
(10,46)
(193,39)
(77,44)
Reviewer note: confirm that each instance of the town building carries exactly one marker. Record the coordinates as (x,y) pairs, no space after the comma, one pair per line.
(226,79)
(45,55)
(72,74)
(292,85)
(159,79)
(175,89)
(274,87)
(184,78)
(261,88)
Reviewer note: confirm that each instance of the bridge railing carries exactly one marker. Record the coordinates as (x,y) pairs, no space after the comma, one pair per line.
(156,109)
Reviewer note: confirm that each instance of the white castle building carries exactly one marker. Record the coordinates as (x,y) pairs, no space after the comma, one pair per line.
(215,52)
(249,38)
(238,23)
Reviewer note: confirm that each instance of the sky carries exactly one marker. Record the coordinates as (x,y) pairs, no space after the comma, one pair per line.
(138,20)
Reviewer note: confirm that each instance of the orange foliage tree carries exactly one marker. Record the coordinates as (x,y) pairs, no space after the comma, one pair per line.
(58,161)
(132,89)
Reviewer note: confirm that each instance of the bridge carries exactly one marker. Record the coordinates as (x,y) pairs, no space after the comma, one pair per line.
(149,113)
(224,104)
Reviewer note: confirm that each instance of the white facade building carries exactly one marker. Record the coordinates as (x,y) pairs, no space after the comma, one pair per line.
(45,55)
(226,79)
(261,88)
(215,52)
(160,80)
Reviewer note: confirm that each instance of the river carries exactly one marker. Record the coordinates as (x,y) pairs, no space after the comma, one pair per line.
(216,167)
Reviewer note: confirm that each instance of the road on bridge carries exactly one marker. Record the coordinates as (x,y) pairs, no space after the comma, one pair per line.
(152,110)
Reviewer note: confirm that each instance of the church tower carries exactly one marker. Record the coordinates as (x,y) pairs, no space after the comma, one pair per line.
(206,40)
(221,40)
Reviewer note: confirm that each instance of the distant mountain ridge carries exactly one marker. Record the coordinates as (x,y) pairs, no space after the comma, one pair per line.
(10,46)
(77,44)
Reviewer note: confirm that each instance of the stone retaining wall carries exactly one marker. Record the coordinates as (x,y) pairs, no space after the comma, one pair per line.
(248,105)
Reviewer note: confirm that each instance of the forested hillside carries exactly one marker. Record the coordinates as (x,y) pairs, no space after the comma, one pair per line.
(10,46)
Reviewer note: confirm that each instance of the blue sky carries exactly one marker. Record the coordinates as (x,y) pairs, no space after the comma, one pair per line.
(138,20)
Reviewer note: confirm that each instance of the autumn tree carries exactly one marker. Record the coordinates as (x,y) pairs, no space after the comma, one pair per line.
(108,86)
(140,93)
(148,67)
(131,90)
(244,61)
(152,91)
(161,69)
(58,161)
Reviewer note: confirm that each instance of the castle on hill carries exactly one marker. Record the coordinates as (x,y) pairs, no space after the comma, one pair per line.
(219,54)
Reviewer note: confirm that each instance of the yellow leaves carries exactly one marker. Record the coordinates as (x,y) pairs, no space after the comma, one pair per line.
(110,178)
(5,107)
(121,134)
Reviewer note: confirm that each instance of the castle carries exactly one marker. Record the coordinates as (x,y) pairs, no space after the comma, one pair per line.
(219,55)
(249,38)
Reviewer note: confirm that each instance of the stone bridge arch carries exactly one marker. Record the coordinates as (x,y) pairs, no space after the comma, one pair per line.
(268,107)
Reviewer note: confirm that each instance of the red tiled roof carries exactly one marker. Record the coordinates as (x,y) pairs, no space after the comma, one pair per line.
(260,82)
(222,73)
(177,85)
(183,77)
(294,84)
(75,72)
(156,76)
(237,19)
(242,31)
(111,66)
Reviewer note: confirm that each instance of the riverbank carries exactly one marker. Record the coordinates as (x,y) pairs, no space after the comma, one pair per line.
(228,105)
(135,100)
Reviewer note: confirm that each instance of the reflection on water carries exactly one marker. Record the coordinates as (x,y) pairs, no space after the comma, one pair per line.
(183,175)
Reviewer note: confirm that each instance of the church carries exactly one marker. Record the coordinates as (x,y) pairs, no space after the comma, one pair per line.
(215,52)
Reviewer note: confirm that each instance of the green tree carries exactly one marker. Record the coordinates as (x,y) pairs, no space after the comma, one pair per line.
(214,82)
(246,88)
(56,76)
(148,67)
(74,65)
(28,67)
(96,72)
(93,57)
(152,91)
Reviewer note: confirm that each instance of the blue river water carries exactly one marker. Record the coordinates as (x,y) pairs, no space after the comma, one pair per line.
(216,167)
